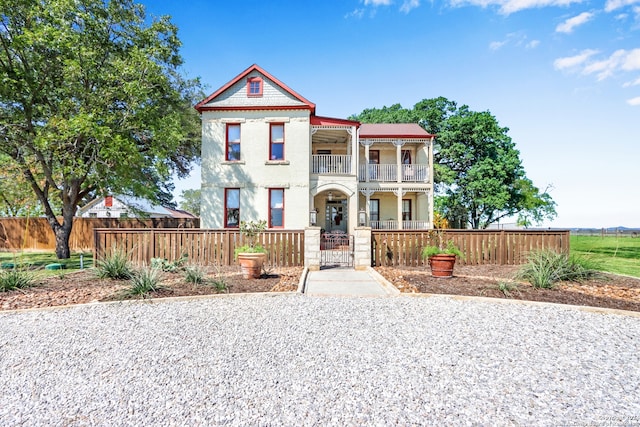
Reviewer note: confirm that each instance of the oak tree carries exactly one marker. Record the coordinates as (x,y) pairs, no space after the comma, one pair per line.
(92,101)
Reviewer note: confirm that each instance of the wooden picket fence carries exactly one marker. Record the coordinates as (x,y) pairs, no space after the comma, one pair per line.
(404,247)
(36,233)
(285,248)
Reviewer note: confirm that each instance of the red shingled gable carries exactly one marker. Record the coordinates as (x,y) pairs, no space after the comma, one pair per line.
(393,130)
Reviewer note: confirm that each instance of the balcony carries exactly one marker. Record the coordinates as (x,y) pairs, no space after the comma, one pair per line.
(389,173)
(330,164)
(393,225)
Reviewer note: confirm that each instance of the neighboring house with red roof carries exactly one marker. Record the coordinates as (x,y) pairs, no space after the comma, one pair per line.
(267,155)
(128,207)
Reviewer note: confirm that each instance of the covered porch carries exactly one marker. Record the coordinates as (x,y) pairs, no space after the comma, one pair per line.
(397,208)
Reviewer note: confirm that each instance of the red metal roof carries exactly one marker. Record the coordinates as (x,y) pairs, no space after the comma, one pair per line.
(201,106)
(393,130)
(330,121)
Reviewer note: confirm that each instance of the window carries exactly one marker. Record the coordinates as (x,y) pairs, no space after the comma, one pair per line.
(124,215)
(233,142)
(276,146)
(93,215)
(406,157)
(406,210)
(374,210)
(276,207)
(108,201)
(232,207)
(254,86)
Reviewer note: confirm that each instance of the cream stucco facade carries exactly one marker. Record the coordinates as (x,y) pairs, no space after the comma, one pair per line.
(266,155)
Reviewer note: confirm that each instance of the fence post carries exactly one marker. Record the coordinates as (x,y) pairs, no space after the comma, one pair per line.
(96,246)
(503,247)
(312,248)
(362,248)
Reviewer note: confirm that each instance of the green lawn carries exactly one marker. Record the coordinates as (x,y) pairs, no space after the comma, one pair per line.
(38,260)
(614,254)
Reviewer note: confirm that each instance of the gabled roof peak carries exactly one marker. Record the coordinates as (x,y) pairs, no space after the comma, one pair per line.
(200,106)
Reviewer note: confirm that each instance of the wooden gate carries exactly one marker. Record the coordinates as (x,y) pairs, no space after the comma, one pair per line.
(336,250)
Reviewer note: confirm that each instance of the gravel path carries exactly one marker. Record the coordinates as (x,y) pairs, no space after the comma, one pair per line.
(296,360)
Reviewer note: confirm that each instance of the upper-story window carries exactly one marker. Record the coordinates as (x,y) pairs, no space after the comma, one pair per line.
(276,145)
(406,157)
(254,86)
(233,142)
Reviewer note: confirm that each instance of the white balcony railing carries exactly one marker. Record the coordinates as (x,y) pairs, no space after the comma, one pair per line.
(389,173)
(331,164)
(406,225)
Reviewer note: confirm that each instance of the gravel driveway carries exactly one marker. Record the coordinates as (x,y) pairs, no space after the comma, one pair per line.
(297,360)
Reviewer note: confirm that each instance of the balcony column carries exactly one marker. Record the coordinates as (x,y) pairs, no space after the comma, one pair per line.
(398,143)
(353,148)
(399,194)
(367,193)
(366,143)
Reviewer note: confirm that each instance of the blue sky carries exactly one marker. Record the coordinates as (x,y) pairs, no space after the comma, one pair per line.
(562,75)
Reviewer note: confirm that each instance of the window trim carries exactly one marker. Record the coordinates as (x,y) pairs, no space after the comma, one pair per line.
(409,212)
(371,212)
(226,208)
(271,143)
(226,146)
(271,190)
(260,82)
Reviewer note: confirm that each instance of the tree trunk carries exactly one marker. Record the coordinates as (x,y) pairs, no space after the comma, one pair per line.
(62,242)
(63,232)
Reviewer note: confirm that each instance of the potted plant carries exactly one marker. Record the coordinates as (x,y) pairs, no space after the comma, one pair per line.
(251,255)
(441,256)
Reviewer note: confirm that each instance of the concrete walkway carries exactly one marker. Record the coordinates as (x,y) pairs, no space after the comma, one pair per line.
(347,282)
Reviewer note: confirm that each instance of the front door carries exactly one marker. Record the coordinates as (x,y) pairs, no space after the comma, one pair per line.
(336,215)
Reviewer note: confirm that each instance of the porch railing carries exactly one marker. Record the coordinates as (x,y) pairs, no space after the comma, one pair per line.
(331,164)
(389,173)
(406,225)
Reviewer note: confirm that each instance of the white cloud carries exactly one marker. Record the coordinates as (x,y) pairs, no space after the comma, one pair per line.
(619,60)
(408,5)
(634,101)
(635,82)
(377,2)
(511,6)
(612,5)
(573,61)
(356,13)
(497,45)
(571,23)
(533,44)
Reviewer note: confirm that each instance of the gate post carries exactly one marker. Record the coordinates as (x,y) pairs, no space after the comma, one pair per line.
(362,248)
(312,248)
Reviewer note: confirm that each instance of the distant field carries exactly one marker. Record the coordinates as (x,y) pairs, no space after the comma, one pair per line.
(614,254)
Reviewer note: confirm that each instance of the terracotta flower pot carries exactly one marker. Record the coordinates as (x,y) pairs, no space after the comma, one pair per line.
(442,265)
(251,264)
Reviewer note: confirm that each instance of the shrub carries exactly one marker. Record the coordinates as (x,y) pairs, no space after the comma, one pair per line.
(16,279)
(194,274)
(114,265)
(168,266)
(544,268)
(145,280)
(507,288)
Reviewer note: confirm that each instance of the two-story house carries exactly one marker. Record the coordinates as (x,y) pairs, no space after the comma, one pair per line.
(267,155)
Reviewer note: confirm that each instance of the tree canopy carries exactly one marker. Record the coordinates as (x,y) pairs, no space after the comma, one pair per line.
(477,169)
(92,101)
(191,201)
